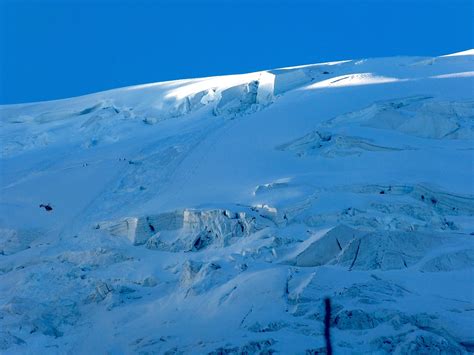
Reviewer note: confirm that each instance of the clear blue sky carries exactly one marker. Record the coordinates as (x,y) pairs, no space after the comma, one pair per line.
(56,49)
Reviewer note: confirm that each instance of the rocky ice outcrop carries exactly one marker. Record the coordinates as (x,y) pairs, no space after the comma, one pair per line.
(32,316)
(287,79)
(13,241)
(443,201)
(380,228)
(421,116)
(333,145)
(252,347)
(139,229)
(368,307)
(386,250)
(327,247)
(381,250)
(190,230)
(8,340)
(237,99)
(241,98)
(263,91)
(450,261)
(96,117)
(406,208)
(199,277)
(270,187)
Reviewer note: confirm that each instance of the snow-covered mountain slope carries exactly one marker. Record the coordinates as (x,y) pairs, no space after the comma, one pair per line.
(214,215)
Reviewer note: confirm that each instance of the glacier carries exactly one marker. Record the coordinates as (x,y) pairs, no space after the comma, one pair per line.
(215,215)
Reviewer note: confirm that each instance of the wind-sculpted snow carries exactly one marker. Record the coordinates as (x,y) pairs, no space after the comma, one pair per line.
(215,215)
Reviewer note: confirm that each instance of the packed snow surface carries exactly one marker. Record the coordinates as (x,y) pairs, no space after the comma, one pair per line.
(214,215)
